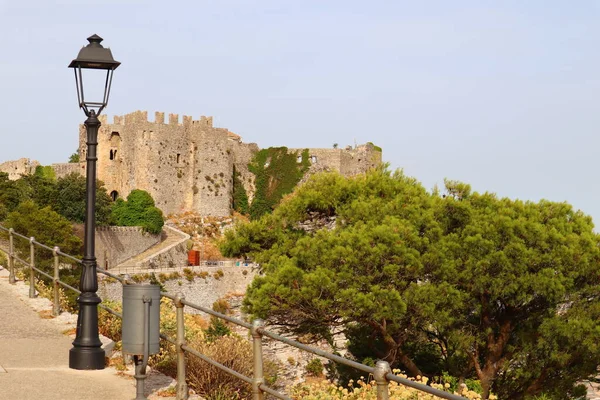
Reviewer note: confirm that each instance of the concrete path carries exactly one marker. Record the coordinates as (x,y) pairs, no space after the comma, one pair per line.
(34,359)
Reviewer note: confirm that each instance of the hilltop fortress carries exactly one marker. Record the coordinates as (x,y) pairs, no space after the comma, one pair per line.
(185,165)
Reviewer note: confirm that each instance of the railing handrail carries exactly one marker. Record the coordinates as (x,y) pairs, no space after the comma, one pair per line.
(381,371)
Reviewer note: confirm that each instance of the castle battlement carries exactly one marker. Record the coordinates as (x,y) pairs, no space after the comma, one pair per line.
(159,118)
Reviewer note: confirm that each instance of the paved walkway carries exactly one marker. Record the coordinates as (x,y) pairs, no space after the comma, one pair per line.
(34,359)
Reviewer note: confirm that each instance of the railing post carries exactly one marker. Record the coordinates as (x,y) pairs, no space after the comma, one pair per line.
(259,379)
(382,368)
(11,257)
(31,266)
(56,303)
(182,388)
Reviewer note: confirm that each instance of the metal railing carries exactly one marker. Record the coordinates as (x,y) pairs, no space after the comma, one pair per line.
(382,373)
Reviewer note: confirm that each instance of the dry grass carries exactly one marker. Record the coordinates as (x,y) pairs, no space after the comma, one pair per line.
(116,362)
(46,314)
(232,351)
(70,331)
(171,391)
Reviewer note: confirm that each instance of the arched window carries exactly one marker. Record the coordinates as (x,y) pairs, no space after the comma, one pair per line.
(114,195)
(115,144)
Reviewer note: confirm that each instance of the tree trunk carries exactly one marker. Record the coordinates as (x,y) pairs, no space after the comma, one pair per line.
(495,355)
(393,351)
(486,379)
(409,364)
(536,386)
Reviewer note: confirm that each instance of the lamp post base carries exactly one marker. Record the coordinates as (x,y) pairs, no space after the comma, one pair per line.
(86,358)
(87,352)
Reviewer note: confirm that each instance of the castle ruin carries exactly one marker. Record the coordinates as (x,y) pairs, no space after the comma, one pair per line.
(185,165)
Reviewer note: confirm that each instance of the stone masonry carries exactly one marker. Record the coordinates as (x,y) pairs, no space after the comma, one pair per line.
(186,165)
(115,244)
(22,166)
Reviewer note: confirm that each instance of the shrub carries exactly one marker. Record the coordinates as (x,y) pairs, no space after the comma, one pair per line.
(232,351)
(216,330)
(314,367)
(366,389)
(218,274)
(221,306)
(109,325)
(152,220)
(189,274)
(203,274)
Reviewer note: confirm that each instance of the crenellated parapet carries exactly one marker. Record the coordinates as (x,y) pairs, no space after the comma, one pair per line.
(159,118)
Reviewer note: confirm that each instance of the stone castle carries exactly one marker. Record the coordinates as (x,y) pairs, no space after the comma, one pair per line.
(185,165)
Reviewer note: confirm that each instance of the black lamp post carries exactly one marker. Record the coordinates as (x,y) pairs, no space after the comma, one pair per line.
(87,352)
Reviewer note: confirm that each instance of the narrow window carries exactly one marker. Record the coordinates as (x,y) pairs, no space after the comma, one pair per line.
(178,155)
(112,155)
(114,195)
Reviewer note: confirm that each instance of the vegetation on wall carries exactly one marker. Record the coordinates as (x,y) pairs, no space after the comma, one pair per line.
(377,148)
(468,284)
(240,197)
(45,171)
(138,210)
(277,172)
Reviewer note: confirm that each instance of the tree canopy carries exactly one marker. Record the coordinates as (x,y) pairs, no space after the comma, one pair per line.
(463,283)
(46,225)
(65,195)
(138,210)
(71,197)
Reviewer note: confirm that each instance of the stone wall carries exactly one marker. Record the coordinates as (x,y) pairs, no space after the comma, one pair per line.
(64,169)
(115,244)
(202,291)
(172,256)
(349,161)
(15,169)
(243,156)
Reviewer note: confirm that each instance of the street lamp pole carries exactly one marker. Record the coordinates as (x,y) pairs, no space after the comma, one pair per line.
(87,352)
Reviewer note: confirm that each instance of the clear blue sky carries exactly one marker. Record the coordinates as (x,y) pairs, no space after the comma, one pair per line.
(500,94)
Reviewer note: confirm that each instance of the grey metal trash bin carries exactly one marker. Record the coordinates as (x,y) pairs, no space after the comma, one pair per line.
(135,298)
